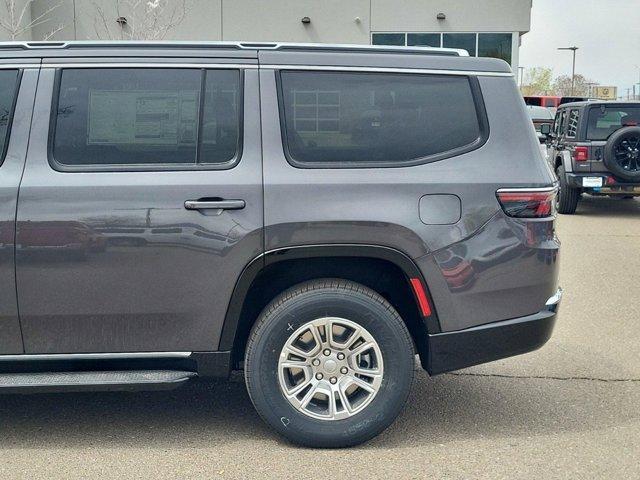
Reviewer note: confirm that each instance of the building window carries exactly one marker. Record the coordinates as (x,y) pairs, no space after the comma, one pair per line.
(495,45)
(424,39)
(398,39)
(465,41)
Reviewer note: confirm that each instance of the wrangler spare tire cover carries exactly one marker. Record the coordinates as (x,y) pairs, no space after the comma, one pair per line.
(622,153)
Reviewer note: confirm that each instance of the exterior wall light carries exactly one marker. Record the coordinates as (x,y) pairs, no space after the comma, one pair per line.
(441,16)
(122,21)
(305,20)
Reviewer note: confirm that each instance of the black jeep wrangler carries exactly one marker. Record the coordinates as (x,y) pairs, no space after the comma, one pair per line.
(594,147)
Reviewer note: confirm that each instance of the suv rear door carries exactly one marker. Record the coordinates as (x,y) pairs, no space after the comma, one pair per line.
(140,205)
(17,89)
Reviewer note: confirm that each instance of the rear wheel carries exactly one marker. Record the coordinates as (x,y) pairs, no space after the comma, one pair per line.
(567,198)
(329,363)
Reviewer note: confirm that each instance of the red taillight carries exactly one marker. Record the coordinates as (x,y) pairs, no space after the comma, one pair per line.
(581,154)
(527,203)
(421,295)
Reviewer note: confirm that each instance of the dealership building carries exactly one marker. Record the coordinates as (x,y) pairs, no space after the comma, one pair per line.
(490,28)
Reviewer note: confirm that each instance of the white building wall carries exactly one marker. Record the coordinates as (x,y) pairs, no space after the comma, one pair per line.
(331,21)
(461,15)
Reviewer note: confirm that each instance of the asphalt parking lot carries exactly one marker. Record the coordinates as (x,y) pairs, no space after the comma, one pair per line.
(569,410)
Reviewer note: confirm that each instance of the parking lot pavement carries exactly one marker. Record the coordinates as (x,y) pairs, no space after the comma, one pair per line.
(569,410)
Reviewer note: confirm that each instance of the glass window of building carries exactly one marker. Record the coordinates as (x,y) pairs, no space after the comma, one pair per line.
(465,41)
(496,45)
(423,39)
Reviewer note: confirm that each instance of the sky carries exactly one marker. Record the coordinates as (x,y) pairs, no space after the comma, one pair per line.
(607,33)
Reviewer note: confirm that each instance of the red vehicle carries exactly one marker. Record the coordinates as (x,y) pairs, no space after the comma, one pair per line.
(550,100)
(542,100)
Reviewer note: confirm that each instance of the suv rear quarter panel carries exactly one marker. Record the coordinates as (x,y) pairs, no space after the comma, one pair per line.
(380,206)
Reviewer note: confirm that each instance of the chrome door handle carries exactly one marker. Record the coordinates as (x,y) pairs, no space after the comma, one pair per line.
(214,204)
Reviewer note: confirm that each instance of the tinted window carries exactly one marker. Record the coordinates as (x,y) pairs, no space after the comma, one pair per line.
(603,121)
(496,45)
(423,39)
(465,41)
(145,116)
(375,117)
(220,130)
(8,91)
(388,39)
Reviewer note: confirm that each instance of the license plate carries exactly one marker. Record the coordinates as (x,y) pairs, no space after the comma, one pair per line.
(592,181)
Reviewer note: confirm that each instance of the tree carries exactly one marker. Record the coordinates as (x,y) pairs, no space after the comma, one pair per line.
(140,19)
(16,22)
(562,86)
(537,81)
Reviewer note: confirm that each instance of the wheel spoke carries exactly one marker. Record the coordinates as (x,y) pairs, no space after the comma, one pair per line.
(362,384)
(310,394)
(361,349)
(369,372)
(297,352)
(292,393)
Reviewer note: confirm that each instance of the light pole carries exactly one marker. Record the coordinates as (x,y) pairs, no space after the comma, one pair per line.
(521,71)
(573,67)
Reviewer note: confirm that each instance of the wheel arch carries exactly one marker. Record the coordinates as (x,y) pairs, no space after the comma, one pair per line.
(371,265)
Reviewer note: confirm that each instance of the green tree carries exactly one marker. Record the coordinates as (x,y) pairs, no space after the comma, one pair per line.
(537,81)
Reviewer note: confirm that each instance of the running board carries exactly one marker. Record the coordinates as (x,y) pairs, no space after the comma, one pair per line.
(122,380)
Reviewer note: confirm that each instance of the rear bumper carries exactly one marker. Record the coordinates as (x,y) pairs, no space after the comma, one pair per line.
(575,180)
(472,346)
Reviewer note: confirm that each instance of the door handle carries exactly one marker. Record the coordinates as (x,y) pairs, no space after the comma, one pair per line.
(214,204)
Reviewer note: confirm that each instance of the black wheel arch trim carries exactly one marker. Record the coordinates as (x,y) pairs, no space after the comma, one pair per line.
(255,266)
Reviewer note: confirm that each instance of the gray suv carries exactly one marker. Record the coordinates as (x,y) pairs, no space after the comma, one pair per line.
(314,215)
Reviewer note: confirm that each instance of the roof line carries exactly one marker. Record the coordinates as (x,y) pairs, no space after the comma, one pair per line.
(53,45)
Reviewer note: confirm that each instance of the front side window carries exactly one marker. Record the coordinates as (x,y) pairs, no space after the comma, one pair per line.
(146,116)
(375,118)
(8,92)
(604,120)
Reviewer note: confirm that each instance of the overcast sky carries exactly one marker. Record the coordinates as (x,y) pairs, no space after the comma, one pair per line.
(606,31)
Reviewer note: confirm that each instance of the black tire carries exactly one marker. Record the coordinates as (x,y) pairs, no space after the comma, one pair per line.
(630,138)
(568,197)
(328,298)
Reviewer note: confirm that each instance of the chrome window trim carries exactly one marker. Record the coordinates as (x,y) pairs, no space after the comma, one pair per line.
(231,66)
(333,68)
(93,356)
(16,66)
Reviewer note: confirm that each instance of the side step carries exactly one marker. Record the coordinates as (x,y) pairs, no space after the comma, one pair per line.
(123,380)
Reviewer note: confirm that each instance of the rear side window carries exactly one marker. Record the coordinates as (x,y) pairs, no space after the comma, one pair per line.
(379,119)
(138,116)
(604,120)
(8,92)
(572,123)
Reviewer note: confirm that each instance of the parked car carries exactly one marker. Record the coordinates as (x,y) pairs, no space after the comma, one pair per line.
(550,101)
(594,148)
(313,214)
(540,116)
